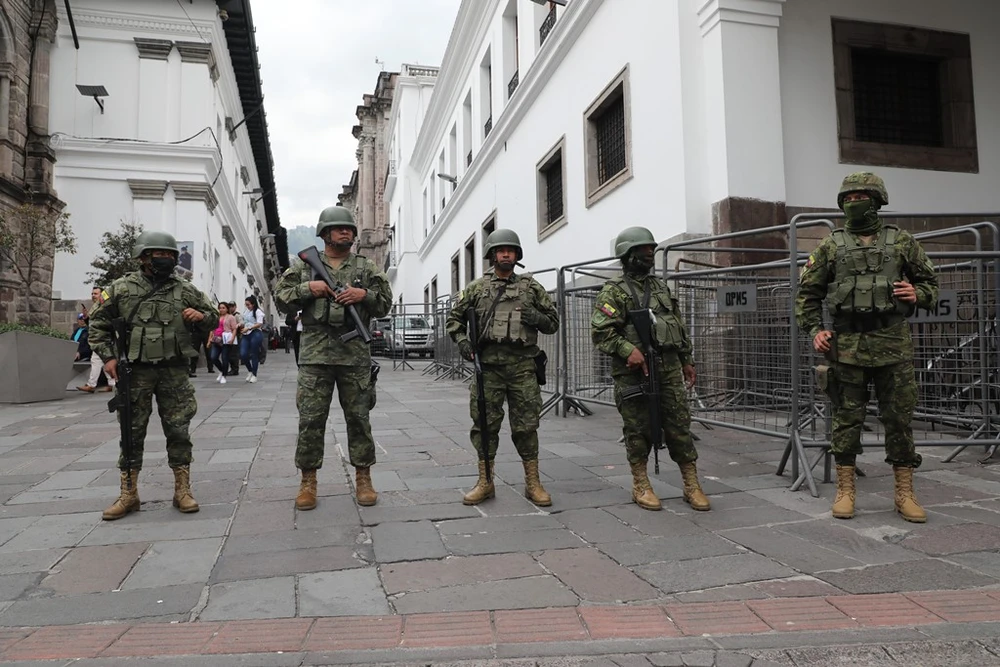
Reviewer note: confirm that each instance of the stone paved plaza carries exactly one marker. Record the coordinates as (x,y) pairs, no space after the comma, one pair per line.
(767,577)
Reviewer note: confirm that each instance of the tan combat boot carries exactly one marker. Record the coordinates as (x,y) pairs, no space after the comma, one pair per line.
(482,490)
(533,489)
(128,501)
(693,495)
(906,502)
(183,500)
(364,491)
(843,504)
(642,491)
(306,500)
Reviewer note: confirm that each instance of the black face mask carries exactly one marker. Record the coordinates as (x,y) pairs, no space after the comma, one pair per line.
(639,264)
(162,267)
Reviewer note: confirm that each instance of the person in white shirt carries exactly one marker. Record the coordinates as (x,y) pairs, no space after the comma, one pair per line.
(253,323)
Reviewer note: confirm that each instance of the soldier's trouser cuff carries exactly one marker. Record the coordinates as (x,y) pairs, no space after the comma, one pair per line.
(845,459)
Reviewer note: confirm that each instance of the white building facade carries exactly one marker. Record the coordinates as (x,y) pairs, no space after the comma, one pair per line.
(178,143)
(570,123)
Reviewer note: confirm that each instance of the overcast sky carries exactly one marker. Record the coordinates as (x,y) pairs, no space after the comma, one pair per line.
(317,60)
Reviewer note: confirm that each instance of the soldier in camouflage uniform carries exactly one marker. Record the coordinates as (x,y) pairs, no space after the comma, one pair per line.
(511,310)
(872,275)
(164,311)
(325,361)
(614,334)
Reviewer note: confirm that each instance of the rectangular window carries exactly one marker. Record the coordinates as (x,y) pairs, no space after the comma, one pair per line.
(427,298)
(470,259)
(551,190)
(489,227)
(608,139)
(455,274)
(434,290)
(904,97)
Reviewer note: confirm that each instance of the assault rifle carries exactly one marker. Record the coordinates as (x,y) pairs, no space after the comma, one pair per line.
(643,320)
(311,257)
(122,401)
(477,365)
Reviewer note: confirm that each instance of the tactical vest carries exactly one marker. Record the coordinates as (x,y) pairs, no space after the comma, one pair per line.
(327,311)
(865,275)
(667,328)
(506,325)
(157,332)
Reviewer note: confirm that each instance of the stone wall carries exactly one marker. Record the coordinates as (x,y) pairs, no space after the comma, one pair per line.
(26,160)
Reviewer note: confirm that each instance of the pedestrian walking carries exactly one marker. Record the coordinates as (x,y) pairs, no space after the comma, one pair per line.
(96,363)
(871,275)
(511,310)
(252,338)
(160,312)
(613,328)
(327,361)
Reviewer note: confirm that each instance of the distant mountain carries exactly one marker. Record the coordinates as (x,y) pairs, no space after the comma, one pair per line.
(302,237)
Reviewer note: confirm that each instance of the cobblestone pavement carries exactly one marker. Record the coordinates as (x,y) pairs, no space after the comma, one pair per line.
(768,575)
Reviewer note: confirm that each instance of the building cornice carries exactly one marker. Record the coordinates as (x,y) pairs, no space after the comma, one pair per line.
(143,188)
(134,23)
(194,191)
(765,13)
(471,28)
(153,49)
(568,29)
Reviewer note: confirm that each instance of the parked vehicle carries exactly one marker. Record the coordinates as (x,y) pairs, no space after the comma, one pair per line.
(401,335)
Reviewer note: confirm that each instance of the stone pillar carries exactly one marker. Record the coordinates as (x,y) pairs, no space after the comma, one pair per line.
(154,88)
(742,103)
(40,157)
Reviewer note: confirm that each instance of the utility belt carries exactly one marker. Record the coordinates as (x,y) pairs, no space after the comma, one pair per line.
(867,323)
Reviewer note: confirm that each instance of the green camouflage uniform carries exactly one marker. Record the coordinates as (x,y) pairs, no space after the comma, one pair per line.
(870,348)
(508,350)
(614,335)
(159,349)
(326,362)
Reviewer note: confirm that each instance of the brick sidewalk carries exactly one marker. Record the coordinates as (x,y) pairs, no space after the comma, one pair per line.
(578,625)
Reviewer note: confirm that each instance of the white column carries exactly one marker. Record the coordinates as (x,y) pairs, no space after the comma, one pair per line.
(743,99)
(154,88)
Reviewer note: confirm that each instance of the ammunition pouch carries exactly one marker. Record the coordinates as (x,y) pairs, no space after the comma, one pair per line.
(633,391)
(827,382)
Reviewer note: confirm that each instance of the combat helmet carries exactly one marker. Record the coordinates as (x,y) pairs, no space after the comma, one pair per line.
(335,216)
(153,240)
(867,182)
(632,237)
(500,238)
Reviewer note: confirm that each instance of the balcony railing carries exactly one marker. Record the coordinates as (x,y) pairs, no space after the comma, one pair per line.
(468,159)
(547,24)
(512,84)
(488,127)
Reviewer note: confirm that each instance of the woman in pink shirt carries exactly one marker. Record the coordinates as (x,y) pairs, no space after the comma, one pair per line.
(222,340)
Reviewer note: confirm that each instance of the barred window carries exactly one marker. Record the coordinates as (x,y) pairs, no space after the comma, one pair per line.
(610,126)
(904,97)
(608,141)
(551,190)
(897,98)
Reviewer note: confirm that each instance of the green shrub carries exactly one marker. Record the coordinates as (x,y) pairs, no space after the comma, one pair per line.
(41,331)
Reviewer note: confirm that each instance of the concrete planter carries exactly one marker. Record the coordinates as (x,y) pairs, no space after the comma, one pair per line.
(33,367)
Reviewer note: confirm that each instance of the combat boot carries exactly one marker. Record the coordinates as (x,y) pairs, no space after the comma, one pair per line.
(482,490)
(906,502)
(642,491)
(533,489)
(843,504)
(693,495)
(128,501)
(183,500)
(306,500)
(364,491)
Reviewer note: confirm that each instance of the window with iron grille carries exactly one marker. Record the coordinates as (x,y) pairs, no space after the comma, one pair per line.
(551,190)
(608,142)
(904,97)
(897,98)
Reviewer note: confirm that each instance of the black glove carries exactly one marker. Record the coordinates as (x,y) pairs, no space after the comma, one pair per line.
(465,349)
(531,317)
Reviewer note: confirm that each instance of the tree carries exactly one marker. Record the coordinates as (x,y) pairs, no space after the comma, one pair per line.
(30,236)
(116,258)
